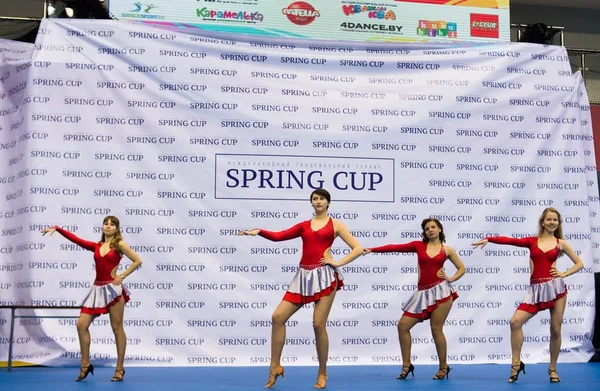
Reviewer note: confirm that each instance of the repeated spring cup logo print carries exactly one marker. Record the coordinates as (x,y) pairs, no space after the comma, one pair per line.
(189,138)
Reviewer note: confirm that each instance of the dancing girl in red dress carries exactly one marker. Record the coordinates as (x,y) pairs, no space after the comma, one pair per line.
(435,295)
(313,283)
(547,289)
(107,295)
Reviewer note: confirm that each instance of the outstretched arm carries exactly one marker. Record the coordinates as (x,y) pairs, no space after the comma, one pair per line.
(90,246)
(350,241)
(394,248)
(567,249)
(279,236)
(522,242)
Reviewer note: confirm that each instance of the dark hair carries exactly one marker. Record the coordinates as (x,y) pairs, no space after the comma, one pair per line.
(114,243)
(440,226)
(323,193)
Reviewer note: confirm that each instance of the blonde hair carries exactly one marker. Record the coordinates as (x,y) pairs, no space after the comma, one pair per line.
(558,233)
(114,243)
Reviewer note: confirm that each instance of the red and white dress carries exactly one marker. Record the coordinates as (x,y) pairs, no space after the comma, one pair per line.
(544,289)
(312,280)
(103,293)
(432,290)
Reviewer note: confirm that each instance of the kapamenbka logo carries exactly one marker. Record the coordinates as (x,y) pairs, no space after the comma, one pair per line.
(242,16)
(485,26)
(301,13)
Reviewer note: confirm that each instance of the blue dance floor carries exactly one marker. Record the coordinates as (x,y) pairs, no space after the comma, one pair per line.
(583,377)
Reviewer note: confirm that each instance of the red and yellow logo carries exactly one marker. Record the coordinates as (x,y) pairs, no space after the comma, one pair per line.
(485,26)
(301,13)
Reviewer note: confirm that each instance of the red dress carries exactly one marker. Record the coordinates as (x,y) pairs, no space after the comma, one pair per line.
(544,289)
(103,294)
(432,290)
(312,280)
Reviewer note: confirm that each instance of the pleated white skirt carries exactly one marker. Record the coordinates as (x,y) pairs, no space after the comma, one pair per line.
(100,298)
(423,302)
(312,283)
(543,295)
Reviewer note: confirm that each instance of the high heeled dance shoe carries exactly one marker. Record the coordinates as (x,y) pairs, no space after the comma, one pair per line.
(405,371)
(553,379)
(518,368)
(321,381)
(117,378)
(445,373)
(273,375)
(84,371)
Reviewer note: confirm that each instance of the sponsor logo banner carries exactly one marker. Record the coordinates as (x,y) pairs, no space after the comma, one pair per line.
(339,20)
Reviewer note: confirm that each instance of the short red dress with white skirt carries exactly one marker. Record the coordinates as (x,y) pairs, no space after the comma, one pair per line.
(543,290)
(312,280)
(431,289)
(103,294)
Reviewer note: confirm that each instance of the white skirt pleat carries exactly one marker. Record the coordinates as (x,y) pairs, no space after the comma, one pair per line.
(544,292)
(420,301)
(309,282)
(100,296)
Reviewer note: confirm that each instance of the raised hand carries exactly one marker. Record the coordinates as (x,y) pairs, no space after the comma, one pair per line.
(50,230)
(249,232)
(481,243)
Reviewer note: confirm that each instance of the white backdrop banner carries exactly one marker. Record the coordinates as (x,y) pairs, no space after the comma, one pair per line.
(189,138)
(15,63)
